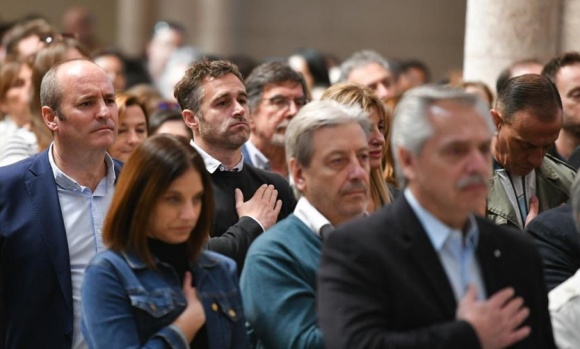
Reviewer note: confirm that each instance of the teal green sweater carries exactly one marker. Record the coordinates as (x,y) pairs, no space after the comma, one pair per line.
(278,286)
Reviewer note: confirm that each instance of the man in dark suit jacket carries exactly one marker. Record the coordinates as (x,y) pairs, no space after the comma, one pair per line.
(554,233)
(425,272)
(51,209)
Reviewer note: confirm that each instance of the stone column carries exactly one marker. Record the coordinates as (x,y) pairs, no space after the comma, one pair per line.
(499,32)
(219,26)
(135,18)
(570,26)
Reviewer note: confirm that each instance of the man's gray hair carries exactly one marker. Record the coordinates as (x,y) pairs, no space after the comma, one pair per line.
(316,115)
(411,125)
(575,199)
(361,59)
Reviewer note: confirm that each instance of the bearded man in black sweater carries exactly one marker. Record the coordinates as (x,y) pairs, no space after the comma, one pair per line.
(214,105)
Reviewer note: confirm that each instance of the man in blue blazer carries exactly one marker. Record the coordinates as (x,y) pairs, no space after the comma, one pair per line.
(52,207)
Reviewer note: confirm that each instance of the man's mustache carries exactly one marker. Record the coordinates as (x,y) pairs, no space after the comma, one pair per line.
(474,179)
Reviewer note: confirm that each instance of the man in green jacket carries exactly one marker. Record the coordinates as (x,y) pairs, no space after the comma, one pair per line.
(526,181)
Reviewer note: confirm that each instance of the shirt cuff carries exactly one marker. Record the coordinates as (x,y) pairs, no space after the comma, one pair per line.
(257,221)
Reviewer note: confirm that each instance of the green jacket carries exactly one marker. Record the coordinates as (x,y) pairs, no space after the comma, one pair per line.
(553,181)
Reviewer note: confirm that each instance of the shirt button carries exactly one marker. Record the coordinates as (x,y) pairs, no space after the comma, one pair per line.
(214,307)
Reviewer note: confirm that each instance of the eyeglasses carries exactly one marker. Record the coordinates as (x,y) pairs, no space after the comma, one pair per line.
(281,102)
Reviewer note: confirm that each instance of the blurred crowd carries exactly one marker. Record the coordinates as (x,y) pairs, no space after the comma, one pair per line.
(195,200)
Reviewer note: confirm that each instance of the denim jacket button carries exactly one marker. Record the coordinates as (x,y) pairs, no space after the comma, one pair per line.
(214,307)
(232,313)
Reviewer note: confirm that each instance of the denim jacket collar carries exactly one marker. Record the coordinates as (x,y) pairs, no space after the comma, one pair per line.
(204,261)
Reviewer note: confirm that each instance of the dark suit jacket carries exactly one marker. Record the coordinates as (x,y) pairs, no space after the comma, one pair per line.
(554,233)
(381,284)
(35,277)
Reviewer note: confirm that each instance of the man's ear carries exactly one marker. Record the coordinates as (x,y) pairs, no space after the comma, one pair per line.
(407,163)
(190,119)
(497,119)
(297,173)
(50,118)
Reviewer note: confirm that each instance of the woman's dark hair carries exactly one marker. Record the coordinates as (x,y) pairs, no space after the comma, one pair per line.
(146,176)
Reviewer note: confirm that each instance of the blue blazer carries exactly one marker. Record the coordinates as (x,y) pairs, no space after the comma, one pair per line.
(35,278)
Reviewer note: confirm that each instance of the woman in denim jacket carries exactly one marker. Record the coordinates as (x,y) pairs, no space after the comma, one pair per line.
(155,287)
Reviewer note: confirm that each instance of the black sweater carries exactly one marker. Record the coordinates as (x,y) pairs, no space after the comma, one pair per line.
(231,235)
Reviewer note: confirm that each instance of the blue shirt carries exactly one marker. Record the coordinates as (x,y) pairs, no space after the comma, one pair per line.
(83,213)
(456,253)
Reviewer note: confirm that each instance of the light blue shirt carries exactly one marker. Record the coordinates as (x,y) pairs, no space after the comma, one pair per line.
(257,159)
(83,213)
(212,164)
(456,253)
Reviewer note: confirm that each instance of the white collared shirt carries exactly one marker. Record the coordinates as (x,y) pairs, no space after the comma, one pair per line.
(83,213)
(457,254)
(212,164)
(310,216)
(565,312)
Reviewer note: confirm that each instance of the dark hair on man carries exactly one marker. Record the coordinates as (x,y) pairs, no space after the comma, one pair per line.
(409,64)
(270,73)
(506,74)
(189,91)
(146,176)
(317,66)
(552,68)
(530,92)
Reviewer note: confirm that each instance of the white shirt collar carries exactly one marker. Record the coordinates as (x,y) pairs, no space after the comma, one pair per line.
(212,164)
(309,215)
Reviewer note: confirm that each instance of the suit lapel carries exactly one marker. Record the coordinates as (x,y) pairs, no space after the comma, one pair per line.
(41,189)
(489,256)
(425,257)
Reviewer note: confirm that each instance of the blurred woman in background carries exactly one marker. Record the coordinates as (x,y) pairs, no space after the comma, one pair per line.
(133,126)
(15,87)
(37,137)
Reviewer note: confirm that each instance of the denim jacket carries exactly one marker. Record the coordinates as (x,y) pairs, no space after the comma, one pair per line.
(125,304)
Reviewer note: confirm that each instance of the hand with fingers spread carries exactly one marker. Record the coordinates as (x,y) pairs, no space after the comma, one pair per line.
(263,206)
(497,321)
(193,317)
